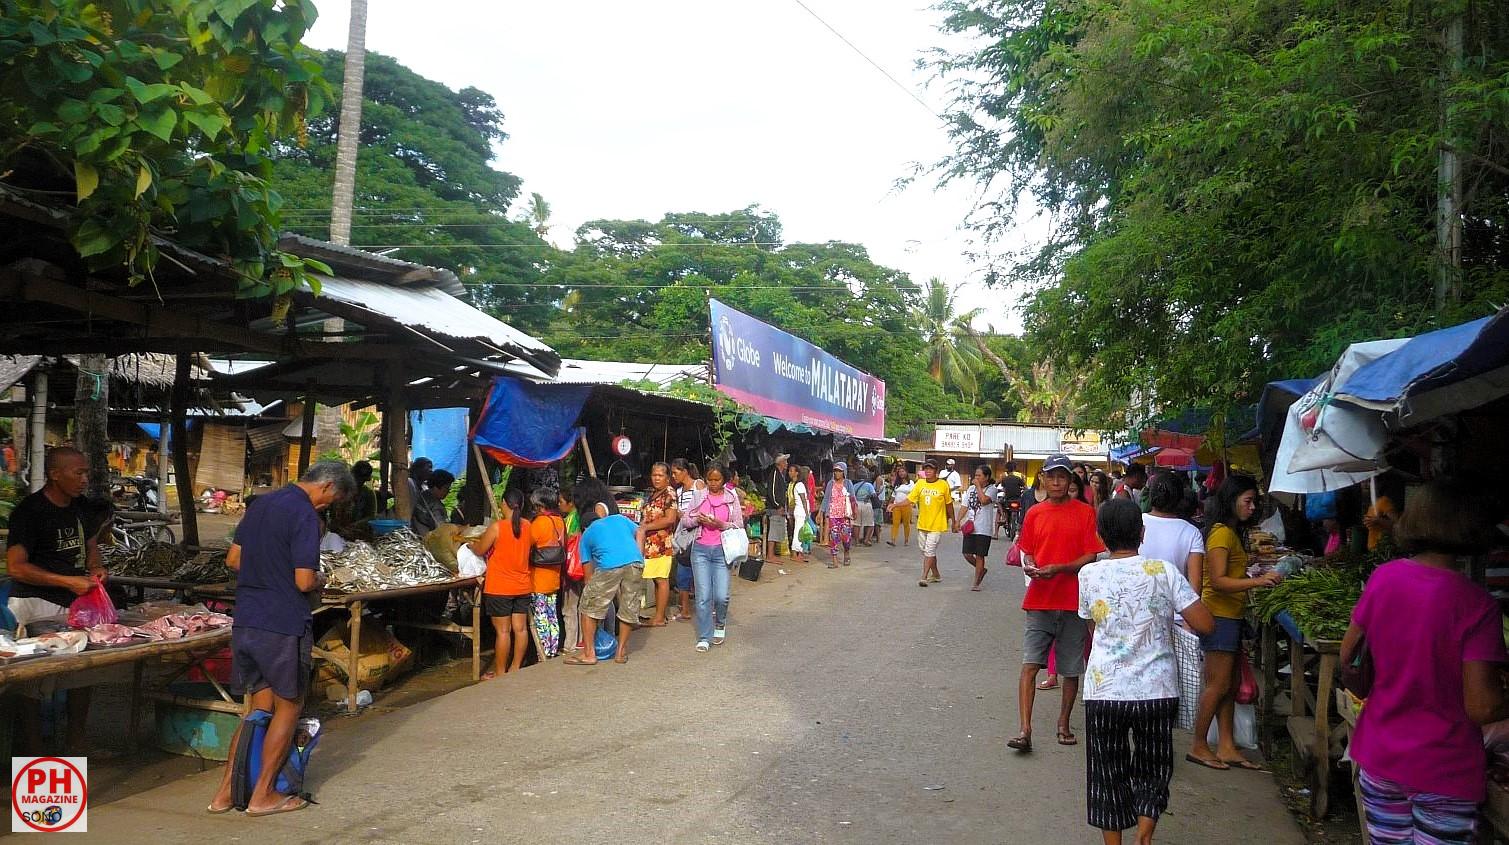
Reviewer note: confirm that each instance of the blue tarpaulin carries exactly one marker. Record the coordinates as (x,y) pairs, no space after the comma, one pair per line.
(1432,361)
(440,435)
(530,425)
(152,430)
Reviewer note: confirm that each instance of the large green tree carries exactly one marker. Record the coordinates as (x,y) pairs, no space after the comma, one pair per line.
(638,290)
(1238,190)
(952,358)
(426,187)
(158,115)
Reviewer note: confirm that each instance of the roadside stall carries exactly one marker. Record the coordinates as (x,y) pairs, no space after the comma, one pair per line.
(1409,409)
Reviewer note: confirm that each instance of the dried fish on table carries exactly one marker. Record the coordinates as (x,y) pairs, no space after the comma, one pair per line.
(394,560)
(153,560)
(204,568)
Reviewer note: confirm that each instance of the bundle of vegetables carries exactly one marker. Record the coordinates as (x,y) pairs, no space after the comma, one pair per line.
(752,498)
(1320,600)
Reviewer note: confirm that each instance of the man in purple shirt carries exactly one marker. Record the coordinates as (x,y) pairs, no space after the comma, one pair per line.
(276,556)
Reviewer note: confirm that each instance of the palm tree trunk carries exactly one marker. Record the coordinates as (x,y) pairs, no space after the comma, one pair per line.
(343,199)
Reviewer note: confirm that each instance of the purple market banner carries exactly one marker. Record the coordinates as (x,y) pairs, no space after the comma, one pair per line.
(782,376)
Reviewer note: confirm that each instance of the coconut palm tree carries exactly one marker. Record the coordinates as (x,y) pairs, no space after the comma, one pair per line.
(343,197)
(951,353)
(538,215)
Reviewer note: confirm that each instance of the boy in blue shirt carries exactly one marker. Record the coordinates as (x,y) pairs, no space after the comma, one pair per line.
(614,566)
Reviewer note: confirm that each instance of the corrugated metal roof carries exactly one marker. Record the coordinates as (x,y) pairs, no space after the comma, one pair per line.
(581,371)
(342,256)
(432,310)
(13,368)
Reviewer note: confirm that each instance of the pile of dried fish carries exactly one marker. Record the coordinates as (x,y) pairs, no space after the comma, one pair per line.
(205,568)
(393,560)
(154,560)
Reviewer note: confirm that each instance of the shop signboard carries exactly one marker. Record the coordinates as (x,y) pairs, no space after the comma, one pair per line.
(782,376)
(965,439)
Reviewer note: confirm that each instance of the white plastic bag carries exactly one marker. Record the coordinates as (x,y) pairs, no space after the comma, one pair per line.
(1245,728)
(1274,525)
(735,546)
(469,564)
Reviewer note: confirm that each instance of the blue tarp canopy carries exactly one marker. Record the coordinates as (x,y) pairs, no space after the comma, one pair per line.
(440,435)
(152,430)
(1125,454)
(1436,373)
(530,425)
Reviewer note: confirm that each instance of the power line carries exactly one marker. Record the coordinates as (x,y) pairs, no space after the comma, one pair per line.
(833,288)
(873,63)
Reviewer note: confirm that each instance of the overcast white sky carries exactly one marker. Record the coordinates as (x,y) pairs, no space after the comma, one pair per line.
(633,109)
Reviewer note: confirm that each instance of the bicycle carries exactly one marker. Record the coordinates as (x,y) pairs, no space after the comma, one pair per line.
(133,535)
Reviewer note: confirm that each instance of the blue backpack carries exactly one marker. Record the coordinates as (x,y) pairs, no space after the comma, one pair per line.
(249,758)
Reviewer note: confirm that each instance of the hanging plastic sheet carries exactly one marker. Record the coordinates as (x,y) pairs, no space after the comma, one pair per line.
(440,435)
(530,425)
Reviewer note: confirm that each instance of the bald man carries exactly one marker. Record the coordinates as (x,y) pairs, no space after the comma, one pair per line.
(53,558)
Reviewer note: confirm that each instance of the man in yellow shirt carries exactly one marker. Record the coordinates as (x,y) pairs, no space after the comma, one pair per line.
(935,517)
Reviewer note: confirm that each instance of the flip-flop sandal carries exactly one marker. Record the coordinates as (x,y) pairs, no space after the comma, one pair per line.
(1217,765)
(1244,764)
(620,660)
(1047,685)
(219,812)
(975,589)
(1021,743)
(281,808)
(1067,738)
(576,660)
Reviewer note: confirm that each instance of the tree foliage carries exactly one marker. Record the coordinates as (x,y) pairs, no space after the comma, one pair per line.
(1238,190)
(161,113)
(952,357)
(426,185)
(637,290)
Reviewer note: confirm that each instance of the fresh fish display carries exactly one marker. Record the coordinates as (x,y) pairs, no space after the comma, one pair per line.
(392,561)
(204,568)
(153,560)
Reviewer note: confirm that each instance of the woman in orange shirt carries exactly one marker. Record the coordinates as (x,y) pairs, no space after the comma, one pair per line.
(507,592)
(548,530)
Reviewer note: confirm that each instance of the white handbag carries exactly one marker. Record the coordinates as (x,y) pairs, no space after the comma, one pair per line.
(735,546)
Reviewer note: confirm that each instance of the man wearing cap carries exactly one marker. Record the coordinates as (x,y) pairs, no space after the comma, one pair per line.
(776,536)
(954,479)
(935,517)
(1058,538)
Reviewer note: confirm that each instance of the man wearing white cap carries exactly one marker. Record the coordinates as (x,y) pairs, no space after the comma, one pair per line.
(954,479)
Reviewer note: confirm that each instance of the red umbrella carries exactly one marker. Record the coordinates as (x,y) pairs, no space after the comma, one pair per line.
(1175,458)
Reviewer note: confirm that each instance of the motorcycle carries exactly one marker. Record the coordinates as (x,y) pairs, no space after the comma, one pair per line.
(136,493)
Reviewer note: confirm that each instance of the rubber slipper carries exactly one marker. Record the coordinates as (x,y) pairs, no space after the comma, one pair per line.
(1209,764)
(620,660)
(975,589)
(1244,764)
(1067,738)
(299,804)
(220,812)
(576,660)
(1021,743)
(1047,685)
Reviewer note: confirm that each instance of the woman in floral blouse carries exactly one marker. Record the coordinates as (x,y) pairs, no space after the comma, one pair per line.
(655,528)
(1132,680)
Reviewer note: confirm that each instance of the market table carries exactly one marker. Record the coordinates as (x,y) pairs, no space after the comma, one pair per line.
(141,584)
(195,646)
(355,603)
(1310,732)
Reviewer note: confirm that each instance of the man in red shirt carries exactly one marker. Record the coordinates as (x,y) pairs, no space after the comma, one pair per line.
(1058,537)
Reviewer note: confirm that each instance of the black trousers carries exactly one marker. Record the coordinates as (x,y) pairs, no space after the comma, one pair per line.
(1129,760)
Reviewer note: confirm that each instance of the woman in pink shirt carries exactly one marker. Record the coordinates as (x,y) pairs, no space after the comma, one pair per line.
(714,510)
(839,505)
(1436,641)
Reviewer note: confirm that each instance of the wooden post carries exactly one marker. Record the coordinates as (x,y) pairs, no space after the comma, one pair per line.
(306,432)
(91,413)
(165,425)
(36,433)
(185,483)
(353,655)
(587,450)
(481,469)
(396,441)
(383,464)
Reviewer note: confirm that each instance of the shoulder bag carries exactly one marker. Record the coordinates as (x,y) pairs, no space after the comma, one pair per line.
(550,555)
(1357,674)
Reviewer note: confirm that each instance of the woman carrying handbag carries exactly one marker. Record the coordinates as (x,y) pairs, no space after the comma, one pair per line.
(714,510)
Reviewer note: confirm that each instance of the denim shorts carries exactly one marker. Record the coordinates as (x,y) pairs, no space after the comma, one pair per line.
(1226,637)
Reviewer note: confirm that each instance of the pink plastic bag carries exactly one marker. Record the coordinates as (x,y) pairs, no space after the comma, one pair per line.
(1247,690)
(1014,555)
(92,608)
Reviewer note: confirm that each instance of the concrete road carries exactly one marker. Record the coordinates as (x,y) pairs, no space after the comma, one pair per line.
(848,705)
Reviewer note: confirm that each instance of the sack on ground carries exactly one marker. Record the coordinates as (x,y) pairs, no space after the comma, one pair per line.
(381,656)
(441,544)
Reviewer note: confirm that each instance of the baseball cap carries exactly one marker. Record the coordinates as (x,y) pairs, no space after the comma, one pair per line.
(840,466)
(949,462)
(930,463)
(1058,462)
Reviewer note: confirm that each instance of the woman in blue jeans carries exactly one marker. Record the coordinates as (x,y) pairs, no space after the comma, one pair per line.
(714,510)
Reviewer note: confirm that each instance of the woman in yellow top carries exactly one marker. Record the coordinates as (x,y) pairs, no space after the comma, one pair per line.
(1224,588)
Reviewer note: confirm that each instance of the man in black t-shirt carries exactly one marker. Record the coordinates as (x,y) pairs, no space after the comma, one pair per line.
(53,558)
(1011,486)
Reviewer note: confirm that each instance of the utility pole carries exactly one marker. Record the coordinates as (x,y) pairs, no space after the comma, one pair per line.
(343,199)
(1449,176)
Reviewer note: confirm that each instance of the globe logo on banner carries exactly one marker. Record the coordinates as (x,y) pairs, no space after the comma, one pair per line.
(787,378)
